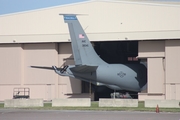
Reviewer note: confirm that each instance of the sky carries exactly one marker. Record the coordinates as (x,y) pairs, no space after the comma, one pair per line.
(13,6)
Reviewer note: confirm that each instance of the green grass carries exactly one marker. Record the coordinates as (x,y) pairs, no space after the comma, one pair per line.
(1,105)
(95,107)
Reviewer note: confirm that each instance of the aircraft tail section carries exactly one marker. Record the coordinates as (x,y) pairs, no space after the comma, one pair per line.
(83,51)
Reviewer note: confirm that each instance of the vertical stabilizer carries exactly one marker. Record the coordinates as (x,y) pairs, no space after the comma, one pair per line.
(84,53)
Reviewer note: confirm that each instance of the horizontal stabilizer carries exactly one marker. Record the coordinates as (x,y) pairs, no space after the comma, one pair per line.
(42,67)
(84,69)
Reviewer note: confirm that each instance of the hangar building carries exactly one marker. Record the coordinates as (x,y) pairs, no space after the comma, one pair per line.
(147,30)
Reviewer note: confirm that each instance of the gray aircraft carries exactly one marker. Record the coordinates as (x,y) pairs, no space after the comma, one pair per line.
(90,67)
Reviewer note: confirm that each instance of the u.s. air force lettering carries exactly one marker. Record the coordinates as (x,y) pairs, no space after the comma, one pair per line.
(83,41)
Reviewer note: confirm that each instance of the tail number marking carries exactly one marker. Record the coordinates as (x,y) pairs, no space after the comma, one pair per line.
(84,45)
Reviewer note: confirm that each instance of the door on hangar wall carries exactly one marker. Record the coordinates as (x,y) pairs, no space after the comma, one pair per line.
(48,92)
(62,91)
(173,91)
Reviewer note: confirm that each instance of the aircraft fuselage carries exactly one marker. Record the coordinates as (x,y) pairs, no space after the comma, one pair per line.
(117,76)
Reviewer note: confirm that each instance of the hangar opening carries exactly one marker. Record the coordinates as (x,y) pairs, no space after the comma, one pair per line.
(113,52)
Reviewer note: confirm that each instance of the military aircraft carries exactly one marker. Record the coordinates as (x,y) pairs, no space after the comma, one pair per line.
(90,67)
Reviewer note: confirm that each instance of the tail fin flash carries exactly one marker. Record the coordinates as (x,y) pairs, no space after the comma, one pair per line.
(84,53)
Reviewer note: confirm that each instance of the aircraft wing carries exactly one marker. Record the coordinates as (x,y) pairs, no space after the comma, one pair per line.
(84,68)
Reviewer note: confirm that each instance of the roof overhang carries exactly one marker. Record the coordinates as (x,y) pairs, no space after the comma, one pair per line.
(105,21)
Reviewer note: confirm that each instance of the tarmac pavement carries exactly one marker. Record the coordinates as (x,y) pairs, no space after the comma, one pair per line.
(21,114)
